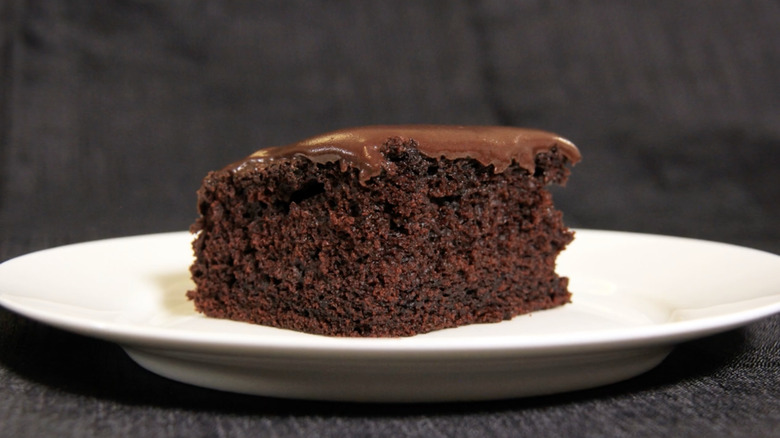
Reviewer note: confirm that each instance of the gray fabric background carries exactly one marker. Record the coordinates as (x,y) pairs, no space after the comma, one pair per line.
(111,112)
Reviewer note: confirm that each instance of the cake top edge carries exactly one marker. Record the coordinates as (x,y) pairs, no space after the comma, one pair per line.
(360,146)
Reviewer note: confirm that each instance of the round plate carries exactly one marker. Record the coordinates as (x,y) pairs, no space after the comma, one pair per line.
(634,297)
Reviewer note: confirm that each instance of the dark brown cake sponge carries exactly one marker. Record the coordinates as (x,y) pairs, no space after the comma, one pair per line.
(427,243)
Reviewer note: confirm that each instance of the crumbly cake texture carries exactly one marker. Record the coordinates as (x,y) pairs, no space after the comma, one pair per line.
(428,244)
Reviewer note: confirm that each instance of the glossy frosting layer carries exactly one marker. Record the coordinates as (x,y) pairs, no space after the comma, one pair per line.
(360,147)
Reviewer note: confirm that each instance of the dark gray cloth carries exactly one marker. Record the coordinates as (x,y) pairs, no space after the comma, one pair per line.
(111,112)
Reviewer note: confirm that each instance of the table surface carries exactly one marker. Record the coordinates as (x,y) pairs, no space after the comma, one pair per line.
(113,112)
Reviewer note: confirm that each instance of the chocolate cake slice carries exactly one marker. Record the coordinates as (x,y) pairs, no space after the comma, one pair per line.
(385,231)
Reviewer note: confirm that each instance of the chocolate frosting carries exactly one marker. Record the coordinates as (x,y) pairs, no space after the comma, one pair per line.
(360,147)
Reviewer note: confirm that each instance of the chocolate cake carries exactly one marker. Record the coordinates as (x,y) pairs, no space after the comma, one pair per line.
(385,231)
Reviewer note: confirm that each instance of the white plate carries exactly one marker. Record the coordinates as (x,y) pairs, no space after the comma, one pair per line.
(635,297)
